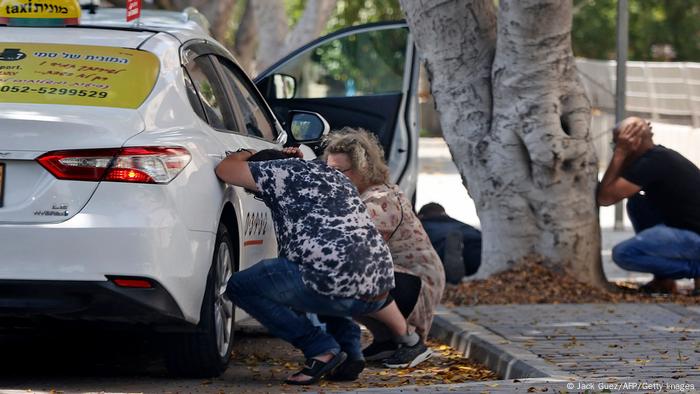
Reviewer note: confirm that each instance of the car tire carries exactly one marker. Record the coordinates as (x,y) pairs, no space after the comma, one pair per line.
(206,351)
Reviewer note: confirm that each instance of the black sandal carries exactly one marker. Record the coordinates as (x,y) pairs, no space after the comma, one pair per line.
(317,369)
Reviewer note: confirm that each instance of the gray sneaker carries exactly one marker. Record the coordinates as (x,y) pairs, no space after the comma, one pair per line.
(408,356)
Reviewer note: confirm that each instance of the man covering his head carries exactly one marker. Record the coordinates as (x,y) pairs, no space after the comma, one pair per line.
(663,188)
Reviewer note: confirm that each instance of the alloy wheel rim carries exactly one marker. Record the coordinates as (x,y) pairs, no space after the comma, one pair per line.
(223,307)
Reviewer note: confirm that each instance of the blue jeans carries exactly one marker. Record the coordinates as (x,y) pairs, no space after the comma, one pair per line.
(273,293)
(666,252)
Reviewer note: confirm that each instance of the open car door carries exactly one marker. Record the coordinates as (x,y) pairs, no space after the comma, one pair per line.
(363,76)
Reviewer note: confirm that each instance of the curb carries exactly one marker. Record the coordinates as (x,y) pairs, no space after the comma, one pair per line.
(495,352)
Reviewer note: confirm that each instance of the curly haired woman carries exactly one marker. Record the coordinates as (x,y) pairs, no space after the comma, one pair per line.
(420,278)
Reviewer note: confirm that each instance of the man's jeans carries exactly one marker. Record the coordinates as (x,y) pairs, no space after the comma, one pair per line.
(666,252)
(273,293)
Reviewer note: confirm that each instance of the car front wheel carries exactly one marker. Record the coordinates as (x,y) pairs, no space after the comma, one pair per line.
(206,351)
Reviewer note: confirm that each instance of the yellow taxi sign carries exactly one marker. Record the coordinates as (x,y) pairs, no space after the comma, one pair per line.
(39,12)
(81,75)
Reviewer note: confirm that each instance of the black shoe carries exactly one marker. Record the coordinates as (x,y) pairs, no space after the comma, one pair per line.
(379,350)
(348,371)
(317,370)
(408,356)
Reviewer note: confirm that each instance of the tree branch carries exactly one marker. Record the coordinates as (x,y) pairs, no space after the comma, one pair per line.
(311,24)
(246,39)
(272,33)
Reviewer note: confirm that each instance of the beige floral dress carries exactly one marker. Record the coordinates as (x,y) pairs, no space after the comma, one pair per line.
(410,248)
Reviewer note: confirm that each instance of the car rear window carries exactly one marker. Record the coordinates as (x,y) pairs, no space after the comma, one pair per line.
(76,75)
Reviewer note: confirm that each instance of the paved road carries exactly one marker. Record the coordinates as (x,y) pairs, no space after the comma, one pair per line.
(102,361)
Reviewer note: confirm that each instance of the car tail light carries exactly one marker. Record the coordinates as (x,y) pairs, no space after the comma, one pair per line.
(134,164)
(148,165)
(136,283)
(81,165)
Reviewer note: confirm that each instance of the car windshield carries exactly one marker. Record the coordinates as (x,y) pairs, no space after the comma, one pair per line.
(76,75)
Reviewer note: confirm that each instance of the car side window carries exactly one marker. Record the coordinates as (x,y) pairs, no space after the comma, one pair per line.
(359,64)
(253,112)
(192,96)
(212,97)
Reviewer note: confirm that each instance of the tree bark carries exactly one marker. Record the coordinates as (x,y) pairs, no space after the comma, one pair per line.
(246,39)
(311,24)
(516,119)
(218,13)
(275,39)
(272,33)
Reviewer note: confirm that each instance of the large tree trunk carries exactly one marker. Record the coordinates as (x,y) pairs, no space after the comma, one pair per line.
(516,120)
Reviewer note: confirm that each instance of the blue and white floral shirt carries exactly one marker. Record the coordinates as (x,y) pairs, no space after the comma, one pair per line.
(323,225)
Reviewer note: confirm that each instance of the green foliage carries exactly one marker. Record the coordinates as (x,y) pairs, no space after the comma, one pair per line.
(349,12)
(357,12)
(352,65)
(372,62)
(356,64)
(653,26)
(295,9)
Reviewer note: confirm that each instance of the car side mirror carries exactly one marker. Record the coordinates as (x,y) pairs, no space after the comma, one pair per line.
(307,127)
(285,86)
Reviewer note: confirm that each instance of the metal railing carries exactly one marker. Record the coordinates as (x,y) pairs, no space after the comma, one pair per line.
(660,91)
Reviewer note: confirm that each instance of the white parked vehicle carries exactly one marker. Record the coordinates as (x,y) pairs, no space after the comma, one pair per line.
(109,206)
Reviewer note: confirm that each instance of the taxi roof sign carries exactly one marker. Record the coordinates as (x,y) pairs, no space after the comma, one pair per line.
(39,12)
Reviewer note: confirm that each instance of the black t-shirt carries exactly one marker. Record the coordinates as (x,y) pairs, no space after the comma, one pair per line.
(671,183)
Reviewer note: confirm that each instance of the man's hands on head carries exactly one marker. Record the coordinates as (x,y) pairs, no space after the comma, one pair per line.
(613,187)
(294,152)
(234,170)
(629,138)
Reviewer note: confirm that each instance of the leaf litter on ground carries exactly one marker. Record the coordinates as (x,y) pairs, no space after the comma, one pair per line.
(271,360)
(534,283)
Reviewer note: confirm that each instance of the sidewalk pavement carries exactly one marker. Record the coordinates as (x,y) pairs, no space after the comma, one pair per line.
(574,348)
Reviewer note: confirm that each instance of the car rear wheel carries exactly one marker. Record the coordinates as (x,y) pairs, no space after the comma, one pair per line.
(206,352)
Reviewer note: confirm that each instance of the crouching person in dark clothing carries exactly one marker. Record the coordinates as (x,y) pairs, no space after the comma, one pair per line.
(332,261)
(458,244)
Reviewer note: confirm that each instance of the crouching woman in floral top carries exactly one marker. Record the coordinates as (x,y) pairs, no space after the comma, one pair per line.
(419,274)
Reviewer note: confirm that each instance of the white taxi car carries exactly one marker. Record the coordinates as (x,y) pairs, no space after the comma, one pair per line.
(109,135)
(109,206)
